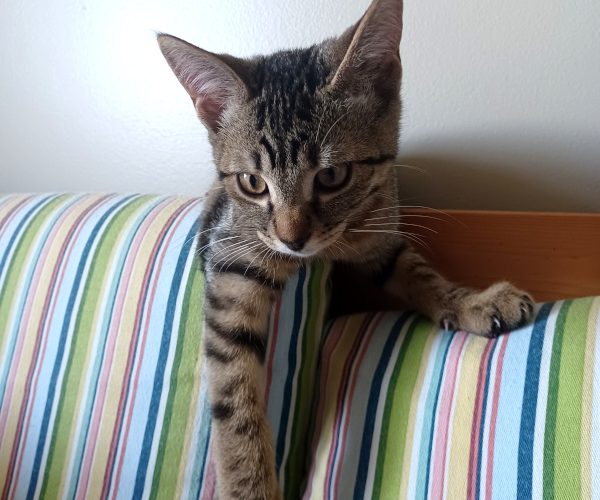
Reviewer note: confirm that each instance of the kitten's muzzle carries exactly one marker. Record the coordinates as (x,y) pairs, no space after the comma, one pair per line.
(296,245)
(292,227)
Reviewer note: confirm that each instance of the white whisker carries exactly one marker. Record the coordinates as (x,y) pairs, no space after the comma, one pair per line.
(412,167)
(343,115)
(437,210)
(266,256)
(402,216)
(396,224)
(210,244)
(341,241)
(266,249)
(410,236)
(231,248)
(239,254)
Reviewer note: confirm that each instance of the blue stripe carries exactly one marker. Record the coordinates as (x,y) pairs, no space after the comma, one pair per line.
(436,399)
(17,231)
(292,360)
(26,282)
(530,396)
(202,457)
(372,406)
(344,387)
(86,413)
(161,365)
(135,340)
(61,348)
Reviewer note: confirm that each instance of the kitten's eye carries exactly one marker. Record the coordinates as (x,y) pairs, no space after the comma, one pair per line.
(332,179)
(253,185)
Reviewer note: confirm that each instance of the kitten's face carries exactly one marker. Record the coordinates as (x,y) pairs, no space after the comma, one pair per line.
(303,139)
(299,160)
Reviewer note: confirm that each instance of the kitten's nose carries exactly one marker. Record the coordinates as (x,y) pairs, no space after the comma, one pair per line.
(292,227)
(295,245)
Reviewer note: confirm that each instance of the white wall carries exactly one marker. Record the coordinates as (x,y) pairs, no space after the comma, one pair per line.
(502,98)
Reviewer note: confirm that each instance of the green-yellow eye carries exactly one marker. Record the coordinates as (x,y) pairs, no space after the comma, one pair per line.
(251,184)
(332,179)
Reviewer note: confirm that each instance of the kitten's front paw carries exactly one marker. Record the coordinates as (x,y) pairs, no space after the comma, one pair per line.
(496,310)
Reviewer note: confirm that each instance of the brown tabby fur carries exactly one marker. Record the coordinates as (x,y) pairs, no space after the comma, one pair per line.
(284,118)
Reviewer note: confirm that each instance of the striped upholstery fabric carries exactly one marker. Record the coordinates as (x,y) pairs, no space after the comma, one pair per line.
(406,411)
(101,392)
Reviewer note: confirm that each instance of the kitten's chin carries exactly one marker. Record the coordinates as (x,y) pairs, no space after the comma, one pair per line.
(303,254)
(307,252)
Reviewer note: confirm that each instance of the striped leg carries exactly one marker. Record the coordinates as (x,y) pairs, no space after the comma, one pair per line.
(237,313)
(495,310)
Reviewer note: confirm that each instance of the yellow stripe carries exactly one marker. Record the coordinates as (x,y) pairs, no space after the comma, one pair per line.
(190,426)
(194,324)
(132,291)
(32,244)
(333,383)
(416,395)
(13,201)
(457,462)
(25,358)
(586,403)
(91,351)
(34,318)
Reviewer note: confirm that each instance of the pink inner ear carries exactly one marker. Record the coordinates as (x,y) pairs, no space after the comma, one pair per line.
(210,110)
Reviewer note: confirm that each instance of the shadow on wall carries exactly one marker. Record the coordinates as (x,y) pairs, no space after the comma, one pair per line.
(466,181)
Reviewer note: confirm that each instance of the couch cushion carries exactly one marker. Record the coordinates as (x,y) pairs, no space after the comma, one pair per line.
(101,374)
(406,411)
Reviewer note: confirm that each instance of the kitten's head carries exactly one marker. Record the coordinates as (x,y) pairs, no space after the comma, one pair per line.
(302,139)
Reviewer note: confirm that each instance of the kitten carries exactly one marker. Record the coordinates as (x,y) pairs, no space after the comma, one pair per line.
(304,143)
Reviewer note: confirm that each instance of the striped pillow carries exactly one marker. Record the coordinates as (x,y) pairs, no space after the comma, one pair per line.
(101,374)
(406,411)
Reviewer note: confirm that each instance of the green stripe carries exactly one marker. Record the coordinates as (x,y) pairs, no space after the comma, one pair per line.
(296,466)
(94,286)
(21,259)
(388,470)
(551,408)
(183,377)
(567,462)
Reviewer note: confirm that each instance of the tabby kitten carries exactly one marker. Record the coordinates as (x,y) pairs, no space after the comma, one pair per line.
(304,143)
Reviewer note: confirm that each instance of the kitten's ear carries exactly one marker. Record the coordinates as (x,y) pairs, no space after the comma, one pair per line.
(209,79)
(371,49)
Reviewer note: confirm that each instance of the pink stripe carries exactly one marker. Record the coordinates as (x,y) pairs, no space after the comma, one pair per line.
(21,334)
(6,199)
(171,226)
(348,398)
(131,354)
(12,213)
(101,393)
(477,416)
(48,311)
(272,348)
(443,421)
(331,342)
(209,483)
(494,416)
(340,401)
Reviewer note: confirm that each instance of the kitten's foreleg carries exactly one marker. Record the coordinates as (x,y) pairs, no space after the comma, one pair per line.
(499,308)
(237,312)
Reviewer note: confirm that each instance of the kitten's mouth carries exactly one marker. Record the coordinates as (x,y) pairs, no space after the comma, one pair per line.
(311,249)
(281,248)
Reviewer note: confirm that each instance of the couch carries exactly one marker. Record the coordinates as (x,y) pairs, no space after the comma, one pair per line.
(102,383)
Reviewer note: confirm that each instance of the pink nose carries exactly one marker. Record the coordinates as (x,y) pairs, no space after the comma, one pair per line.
(297,244)
(292,227)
